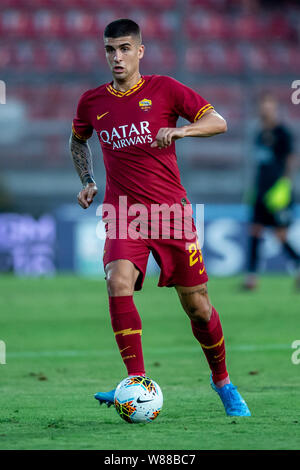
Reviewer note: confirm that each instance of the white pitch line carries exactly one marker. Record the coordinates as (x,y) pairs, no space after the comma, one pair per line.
(165,350)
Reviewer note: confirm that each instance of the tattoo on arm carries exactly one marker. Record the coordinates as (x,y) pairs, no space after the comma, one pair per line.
(82,159)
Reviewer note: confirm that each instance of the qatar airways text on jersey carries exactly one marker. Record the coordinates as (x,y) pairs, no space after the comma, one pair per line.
(126,135)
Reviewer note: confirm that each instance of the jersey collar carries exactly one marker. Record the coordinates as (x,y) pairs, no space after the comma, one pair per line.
(131,90)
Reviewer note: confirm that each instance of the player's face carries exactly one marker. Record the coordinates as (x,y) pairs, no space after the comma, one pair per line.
(123,55)
(268,109)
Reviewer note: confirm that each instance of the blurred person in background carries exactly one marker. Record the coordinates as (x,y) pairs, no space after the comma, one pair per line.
(272,192)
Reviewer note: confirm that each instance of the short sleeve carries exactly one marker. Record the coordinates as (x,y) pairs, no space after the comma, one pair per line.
(81,127)
(186,102)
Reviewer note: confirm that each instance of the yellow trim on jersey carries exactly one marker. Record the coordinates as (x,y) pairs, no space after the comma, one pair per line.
(84,139)
(203,111)
(213,345)
(131,90)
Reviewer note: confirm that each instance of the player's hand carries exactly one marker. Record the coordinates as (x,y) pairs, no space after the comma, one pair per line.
(86,195)
(166,135)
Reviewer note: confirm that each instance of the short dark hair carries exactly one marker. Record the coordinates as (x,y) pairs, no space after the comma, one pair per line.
(122,27)
(266,96)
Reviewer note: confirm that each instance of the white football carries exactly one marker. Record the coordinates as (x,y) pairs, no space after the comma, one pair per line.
(138,399)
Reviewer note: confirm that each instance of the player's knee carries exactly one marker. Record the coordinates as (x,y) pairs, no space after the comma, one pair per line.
(118,285)
(200,312)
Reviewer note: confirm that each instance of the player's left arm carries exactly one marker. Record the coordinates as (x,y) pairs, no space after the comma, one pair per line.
(211,123)
(291,165)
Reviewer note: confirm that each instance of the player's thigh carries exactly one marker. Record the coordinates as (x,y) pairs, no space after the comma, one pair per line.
(181,262)
(195,302)
(125,263)
(121,276)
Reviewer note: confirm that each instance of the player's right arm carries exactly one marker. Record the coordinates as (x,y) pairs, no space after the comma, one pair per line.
(82,155)
(83,162)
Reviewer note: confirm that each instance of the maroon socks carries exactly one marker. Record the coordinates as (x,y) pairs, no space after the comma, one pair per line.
(210,336)
(127,327)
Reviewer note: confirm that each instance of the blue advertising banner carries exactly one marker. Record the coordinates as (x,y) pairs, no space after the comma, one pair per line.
(72,240)
(225,241)
(27,245)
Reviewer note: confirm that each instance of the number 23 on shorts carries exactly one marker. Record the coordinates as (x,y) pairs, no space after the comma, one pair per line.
(196,256)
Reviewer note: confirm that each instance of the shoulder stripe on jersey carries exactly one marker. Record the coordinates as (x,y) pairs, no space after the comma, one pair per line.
(203,111)
(84,139)
(131,90)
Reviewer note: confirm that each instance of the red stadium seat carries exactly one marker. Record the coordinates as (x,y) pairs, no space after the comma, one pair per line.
(209,4)
(47,23)
(224,36)
(159,58)
(7,56)
(213,57)
(24,55)
(293,55)
(80,23)
(280,28)
(90,55)
(16,23)
(248,27)
(153,4)
(257,58)
(206,25)
(42,59)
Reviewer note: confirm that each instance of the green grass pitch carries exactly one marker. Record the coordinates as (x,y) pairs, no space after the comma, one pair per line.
(61,350)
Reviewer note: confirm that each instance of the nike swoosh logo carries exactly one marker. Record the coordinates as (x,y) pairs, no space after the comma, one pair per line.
(143,401)
(104,114)
(121,350)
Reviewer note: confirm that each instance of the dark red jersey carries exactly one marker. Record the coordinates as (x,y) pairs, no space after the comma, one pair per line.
(126,124)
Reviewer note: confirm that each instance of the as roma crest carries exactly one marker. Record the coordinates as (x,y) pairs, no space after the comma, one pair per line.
(145,104)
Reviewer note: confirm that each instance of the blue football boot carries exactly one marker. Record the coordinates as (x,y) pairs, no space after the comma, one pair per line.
(105,397)
(233,402)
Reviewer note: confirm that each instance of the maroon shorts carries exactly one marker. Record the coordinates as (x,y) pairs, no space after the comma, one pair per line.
(180,260)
